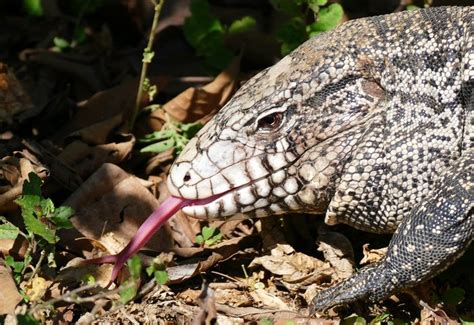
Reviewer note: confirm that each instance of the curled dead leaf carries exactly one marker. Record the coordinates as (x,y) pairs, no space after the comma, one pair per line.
(196,103)
(337,250)
(110,207)
(372,255)
(13,98)
(13,172)
(9,295)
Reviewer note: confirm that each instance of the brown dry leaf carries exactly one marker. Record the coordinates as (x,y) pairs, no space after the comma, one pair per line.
(222,251)
(85,159)
(110,207)
(372,255)
(106,109)
(13,172)
(337,250)
(195,103)
(9,295)
(75,271)
(431,316)
(268,300)
(233,297)
(293,267)
(99,132)
(207,307)
(13,98)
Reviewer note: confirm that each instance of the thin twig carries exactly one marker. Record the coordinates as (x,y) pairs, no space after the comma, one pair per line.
(146,62)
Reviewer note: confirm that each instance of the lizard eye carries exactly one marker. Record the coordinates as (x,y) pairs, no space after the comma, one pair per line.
(270,122)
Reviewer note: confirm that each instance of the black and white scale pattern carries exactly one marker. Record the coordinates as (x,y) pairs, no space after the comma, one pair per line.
(372,124)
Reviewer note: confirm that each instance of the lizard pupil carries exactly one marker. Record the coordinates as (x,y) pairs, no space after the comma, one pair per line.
(271,121)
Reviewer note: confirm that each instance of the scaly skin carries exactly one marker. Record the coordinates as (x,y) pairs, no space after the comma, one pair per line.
(371,123)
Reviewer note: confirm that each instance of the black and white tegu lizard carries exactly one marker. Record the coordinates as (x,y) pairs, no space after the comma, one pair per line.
(371,124)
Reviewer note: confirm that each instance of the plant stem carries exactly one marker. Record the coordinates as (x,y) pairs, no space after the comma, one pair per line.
(146,62)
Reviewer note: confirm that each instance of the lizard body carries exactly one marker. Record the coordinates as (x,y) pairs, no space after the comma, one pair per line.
(372,124)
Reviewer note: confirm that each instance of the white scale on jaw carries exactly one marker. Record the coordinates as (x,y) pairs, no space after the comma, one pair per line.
(236,181)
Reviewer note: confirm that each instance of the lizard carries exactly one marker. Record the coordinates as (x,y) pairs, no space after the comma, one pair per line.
(370,124)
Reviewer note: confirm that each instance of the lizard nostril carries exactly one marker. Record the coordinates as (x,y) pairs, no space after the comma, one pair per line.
(187,177)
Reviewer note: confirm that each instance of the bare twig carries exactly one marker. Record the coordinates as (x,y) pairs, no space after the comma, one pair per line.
(146,61)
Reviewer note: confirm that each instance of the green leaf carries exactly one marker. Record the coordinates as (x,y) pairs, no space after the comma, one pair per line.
(134,266)
(315,4)
(466,322)
(265,321)
(214,240)
(9,231)
(33,7)
(127,292)
(291,7)
(190,129)
(148,56)
(47,208)
(61,217)
(159,146)
(354,320)
(32,186)
(161,276)
(16,266)
(26,320)
(328,18)
(200,23)
(199,239)
(208,232)
(36,227)
(412,7)
(242,25)
(291,35)
(158,135)
(61,43)
(88,279)
(453,296)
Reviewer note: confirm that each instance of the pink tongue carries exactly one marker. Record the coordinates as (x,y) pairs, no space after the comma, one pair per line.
(151,225)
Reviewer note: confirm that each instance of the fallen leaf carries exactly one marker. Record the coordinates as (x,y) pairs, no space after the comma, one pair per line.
(435,315)
(9,295)
(337,250)
(110,207)
(13,98)
(268,300)
(13,172)
(106,109)
(293,267)
(372,255)
(85,159)
(207,307)
(196,103)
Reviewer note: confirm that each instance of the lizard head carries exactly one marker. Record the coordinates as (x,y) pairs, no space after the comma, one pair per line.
(275,146)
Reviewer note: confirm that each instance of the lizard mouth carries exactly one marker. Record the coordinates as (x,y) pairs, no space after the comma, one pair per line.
(197,208)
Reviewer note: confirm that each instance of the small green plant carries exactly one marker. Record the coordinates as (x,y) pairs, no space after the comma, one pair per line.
(33,7)
(158,270)
(208,237)
(173,135)
(128,289)
(63,45)
(42,220)
(297,30)
(208,35)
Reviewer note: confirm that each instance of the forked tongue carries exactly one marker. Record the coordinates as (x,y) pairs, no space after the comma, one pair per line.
(151,225)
